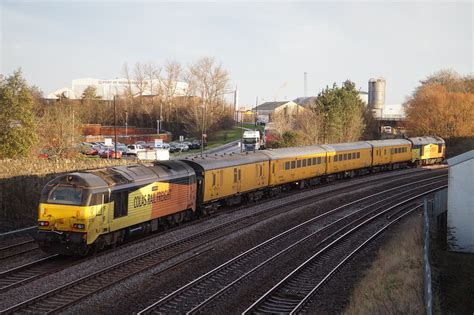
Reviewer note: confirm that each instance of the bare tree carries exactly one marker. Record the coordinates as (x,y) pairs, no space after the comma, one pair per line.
(210,81)
(169,82)
(140,80)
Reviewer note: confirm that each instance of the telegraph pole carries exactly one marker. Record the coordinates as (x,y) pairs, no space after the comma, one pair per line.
(115,126)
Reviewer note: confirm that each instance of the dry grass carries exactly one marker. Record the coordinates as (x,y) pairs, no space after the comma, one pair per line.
(12,168)
(394,283)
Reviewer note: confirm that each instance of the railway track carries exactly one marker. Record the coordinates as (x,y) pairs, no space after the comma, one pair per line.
(199,293)
(22,247)
(28,272)
(292,294)
(71,293)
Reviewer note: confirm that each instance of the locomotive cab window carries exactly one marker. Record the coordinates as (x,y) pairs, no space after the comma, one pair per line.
(120,203)
(67,195)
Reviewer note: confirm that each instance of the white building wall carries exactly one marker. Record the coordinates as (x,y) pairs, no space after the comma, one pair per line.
(461,207)
(106,89)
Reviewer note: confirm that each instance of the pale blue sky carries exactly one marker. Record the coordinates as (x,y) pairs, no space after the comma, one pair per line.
(262,45)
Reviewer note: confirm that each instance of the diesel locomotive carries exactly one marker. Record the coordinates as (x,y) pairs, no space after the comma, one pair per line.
(84,211)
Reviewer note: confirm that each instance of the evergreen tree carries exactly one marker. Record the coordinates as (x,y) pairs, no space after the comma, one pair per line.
(343,113)
(17,128)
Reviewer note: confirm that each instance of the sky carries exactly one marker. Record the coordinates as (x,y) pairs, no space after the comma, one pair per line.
(265,46)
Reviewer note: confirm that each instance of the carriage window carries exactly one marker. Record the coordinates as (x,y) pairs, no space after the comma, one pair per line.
(235,175)
(287,165)
(304,162)
(293,164)
(358,155)
(345,156)
(335,158)
(273,168)
(309,162)
(213,179)
(261,170)
(240,174)
(319,160)
(385,151)
(298,163)
(314,161)
(349,156)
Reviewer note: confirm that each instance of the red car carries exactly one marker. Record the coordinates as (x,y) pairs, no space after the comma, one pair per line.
(110,154)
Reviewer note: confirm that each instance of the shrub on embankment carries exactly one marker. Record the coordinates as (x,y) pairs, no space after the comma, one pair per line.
(21,182)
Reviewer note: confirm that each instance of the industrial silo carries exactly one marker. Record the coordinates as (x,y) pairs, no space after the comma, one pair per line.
(377,95)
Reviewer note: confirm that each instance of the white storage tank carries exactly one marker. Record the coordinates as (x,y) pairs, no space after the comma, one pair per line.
(461,203)
(376,93)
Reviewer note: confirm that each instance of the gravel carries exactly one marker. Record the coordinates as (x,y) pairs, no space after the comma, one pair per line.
(134,293)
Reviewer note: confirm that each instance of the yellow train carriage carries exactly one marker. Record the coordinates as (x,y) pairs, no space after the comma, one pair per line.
(427,150)
(227,177)
(391,151)
(290,165)
(348,157)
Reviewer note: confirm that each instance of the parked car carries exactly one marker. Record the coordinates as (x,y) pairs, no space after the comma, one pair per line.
(110,153)
(133,149)
(140,143)
(195,144)
(178,147)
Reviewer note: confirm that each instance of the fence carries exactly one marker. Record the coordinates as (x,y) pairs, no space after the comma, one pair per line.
(434,211)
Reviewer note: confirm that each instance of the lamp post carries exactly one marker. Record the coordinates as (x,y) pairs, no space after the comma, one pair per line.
(115,126)
(126,123)
(241,131)
(203,106)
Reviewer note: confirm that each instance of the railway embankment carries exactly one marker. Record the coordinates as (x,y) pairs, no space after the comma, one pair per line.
(393,283)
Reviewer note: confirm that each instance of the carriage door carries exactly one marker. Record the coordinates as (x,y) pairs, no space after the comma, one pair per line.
(215,184)
(259,174)
(236,180)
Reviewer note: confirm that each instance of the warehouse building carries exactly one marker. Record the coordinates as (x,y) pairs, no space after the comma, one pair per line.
(106,89)
(461,202)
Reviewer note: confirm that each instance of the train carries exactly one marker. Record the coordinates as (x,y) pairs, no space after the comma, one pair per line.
(84,212)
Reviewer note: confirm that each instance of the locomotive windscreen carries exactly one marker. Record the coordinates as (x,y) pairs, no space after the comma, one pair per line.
(66,195)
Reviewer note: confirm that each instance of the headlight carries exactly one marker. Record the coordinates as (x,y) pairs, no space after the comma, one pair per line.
(43,223)
(78,226)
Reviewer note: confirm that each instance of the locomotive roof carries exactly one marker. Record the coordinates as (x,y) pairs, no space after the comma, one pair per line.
(215,161)
(283,153)
(388,142)
(143,172)
(426,140)
(81,179)
(347,146)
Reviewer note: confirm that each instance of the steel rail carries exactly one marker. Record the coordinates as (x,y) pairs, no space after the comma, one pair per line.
(306,299)
(168,246)
(323,250)
(200,306)
(261,245)
(18,231)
